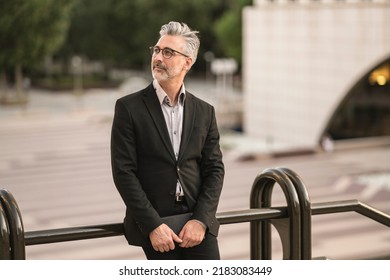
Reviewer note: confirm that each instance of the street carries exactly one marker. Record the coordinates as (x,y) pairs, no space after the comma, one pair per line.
(55,160)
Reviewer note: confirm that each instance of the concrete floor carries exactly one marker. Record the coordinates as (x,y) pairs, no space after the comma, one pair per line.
(54,159)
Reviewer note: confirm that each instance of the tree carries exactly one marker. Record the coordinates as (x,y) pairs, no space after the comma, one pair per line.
(30,30)
(118,32)
(228,29)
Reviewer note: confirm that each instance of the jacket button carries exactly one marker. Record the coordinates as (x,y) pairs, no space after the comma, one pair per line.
(171,192)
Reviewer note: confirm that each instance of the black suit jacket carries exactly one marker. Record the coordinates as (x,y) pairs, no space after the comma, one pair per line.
(145,169)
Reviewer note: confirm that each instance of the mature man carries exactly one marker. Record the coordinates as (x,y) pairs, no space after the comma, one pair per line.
(166,158)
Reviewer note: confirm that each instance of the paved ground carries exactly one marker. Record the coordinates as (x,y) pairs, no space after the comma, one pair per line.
(54,158)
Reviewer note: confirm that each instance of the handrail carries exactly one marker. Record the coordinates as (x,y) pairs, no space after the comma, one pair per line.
(306,212)
(73,233)
(289,230)
(109,230)
(351,206)
(4,235)
(15,223)
(292,222)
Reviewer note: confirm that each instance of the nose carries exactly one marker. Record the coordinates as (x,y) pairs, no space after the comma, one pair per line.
(158,56)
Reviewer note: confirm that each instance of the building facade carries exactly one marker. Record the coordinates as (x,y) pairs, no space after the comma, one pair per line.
(302,60)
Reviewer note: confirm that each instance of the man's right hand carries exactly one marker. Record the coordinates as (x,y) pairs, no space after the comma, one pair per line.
(163,238)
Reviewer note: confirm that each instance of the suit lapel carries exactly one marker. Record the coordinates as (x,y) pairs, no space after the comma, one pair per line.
(188,123)
(154,108)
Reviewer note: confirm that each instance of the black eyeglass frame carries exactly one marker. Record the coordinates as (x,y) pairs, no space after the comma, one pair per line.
(154,52)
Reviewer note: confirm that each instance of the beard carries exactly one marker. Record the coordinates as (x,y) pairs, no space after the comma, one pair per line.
(159,71)
(162,73)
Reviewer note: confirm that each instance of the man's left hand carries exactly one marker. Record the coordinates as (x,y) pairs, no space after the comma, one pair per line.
(192,234)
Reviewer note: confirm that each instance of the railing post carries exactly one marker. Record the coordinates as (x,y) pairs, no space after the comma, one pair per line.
(292,222)
(5,246)
(289,229)
(306,212)
(16,229)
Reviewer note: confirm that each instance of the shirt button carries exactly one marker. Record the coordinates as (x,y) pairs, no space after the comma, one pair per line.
(178,169)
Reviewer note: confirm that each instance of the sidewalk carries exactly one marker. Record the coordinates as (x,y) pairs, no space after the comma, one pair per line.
(44,106)
(98,104)
(55,160)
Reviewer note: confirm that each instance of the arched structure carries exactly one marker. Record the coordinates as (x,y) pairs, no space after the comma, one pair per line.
(365,110)
(301,60)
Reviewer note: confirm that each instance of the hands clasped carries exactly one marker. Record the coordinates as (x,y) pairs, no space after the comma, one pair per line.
(163,238)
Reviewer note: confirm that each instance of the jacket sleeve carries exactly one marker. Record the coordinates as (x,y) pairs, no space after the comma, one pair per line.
(124,170)
(212,175)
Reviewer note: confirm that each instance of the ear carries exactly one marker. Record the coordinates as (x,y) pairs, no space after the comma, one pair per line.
(188,64)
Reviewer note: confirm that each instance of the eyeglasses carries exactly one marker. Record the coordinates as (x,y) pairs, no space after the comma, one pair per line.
(166,52)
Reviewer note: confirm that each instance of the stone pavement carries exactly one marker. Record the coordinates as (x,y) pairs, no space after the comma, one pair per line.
(54,158)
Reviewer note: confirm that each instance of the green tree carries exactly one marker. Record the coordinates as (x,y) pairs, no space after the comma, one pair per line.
(228,29)
(30,30)
(118,32)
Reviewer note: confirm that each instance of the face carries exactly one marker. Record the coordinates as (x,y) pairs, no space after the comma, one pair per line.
(173,68)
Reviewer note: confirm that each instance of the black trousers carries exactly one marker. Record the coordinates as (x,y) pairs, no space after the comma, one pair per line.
(207,250)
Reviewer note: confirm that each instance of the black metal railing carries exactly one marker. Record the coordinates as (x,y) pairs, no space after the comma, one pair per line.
(293,222)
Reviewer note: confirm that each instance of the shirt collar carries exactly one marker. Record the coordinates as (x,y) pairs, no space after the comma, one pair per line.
(161,94)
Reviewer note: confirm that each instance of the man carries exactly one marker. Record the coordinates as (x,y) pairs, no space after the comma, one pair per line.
(166,158)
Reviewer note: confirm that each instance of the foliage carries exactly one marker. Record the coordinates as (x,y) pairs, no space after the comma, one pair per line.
(228,29)
(31,29)
(119,32)
(115,32)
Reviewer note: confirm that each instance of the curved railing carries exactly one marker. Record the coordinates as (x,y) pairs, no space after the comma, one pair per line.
(292,222)
(295,229)
(11,227)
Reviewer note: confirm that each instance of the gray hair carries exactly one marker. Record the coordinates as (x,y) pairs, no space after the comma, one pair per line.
(174,28)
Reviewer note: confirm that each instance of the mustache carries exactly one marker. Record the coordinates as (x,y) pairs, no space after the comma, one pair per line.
(160,65)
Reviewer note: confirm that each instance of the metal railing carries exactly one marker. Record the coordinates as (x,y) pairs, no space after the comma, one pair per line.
(293,222)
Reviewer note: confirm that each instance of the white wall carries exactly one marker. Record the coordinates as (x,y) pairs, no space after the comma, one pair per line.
(299,61)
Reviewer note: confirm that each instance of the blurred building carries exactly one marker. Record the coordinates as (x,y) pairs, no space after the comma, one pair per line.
(316,70)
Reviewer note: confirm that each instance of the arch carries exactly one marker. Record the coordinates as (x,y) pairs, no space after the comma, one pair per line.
(365,109)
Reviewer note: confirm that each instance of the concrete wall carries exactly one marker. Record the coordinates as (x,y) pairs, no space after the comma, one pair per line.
(299,61)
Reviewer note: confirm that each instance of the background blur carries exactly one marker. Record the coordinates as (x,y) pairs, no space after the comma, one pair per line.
(51,41)
(301,84)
